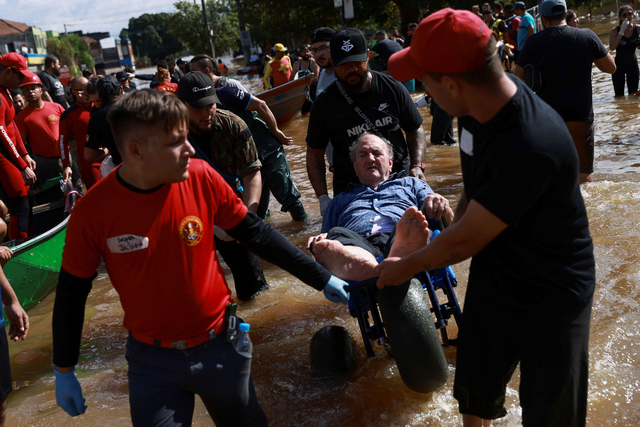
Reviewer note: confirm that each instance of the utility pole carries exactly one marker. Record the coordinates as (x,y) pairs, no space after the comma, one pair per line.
(66,33)
(245,49)
(208,31)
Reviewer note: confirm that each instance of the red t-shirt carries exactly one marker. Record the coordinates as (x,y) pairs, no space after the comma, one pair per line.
(11,140)
(168,87)
(41,126)
(515,26)
(73,124)
(158,249)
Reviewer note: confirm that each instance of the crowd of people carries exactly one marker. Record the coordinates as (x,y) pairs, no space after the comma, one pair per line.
(196,157)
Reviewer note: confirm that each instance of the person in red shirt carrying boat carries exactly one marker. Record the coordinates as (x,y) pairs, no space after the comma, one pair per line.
(161,258)
(279,68)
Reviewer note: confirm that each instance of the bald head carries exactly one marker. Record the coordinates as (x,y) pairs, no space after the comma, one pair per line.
(79,90)
(79,82)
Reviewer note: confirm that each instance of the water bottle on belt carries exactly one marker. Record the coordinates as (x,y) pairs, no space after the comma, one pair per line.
(243,344)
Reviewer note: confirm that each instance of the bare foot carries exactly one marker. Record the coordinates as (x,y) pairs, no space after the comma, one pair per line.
(412,233)
(345,262)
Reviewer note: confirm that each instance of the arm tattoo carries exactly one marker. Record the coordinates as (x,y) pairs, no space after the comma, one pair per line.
(416,141)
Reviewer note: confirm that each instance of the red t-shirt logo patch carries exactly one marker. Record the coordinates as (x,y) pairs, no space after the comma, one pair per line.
(191,230)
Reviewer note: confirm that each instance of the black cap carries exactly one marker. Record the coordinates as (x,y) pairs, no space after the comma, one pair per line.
(87,73)
(122,76)
(197,89)
(108,85)
(322,34)
(348,45)
(180,61)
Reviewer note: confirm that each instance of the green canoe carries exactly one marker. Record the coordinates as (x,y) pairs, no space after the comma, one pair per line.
(33,271)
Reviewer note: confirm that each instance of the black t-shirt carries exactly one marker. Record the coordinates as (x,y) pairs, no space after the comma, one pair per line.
(386,103)
(385,48)
(522,167)
(566,72)
(99,134)
(237,101)
(52,85)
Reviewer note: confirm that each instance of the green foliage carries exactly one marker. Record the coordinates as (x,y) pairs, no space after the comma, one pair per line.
(293,21)
(187,25)
(72,51)
(150,36)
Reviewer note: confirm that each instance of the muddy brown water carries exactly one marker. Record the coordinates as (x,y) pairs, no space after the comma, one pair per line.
(285,318)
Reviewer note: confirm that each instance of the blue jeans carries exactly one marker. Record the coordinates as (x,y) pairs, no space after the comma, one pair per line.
(163,384)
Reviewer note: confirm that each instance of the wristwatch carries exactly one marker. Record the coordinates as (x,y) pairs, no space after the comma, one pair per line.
(418,165)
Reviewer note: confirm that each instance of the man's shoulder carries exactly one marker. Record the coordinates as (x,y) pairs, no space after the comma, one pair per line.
(26,112)
(231,123)
(53,107)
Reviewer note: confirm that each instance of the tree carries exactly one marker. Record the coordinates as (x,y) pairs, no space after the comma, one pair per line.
(72,52)
(150,36)
(187,25)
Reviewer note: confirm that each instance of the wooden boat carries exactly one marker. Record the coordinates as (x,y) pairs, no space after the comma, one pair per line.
(285,101)
(33,271)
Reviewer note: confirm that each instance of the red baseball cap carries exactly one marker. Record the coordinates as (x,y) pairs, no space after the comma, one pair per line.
(448,41)
(30,79)
(14,60)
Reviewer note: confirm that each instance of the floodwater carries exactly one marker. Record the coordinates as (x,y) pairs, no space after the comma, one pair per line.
(285,318)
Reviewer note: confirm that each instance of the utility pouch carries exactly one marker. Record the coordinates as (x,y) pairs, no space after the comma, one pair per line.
(232,322)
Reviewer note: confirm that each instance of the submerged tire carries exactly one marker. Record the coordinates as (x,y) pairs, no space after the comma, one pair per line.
(413,337)
(331,350)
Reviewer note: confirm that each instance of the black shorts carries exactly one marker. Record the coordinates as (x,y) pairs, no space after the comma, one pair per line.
(553,358)
(5,366)
(378,244)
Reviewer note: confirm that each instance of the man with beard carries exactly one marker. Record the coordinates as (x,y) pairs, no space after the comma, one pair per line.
(73,126)
(360,101)
(320,49)
(304,65)
(53,91)
(18,100)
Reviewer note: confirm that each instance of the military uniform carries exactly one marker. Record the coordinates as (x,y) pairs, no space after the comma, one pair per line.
(231,149)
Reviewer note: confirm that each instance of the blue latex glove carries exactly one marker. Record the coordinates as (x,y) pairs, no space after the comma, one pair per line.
(334,290)
(69,394)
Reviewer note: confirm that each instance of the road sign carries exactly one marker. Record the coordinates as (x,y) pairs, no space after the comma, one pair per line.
(348,9)
(245,38)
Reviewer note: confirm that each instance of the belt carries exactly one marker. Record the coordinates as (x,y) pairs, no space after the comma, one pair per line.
(182,344)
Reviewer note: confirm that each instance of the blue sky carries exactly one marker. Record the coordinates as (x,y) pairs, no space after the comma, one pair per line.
(86,15)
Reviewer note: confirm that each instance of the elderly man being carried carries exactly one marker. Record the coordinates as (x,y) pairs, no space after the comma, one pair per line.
(385,215)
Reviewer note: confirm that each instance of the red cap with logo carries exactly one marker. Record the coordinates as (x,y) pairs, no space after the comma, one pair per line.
(448,41)
(14,60)
(30,79)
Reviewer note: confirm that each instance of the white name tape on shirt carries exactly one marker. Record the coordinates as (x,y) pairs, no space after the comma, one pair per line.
(466,142)
(127,243)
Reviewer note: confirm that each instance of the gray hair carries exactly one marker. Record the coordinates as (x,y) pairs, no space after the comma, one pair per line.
(352,149)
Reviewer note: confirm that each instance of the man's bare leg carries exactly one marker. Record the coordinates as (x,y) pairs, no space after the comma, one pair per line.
(473,421)
(345,262)
(412,233)
(3,412)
